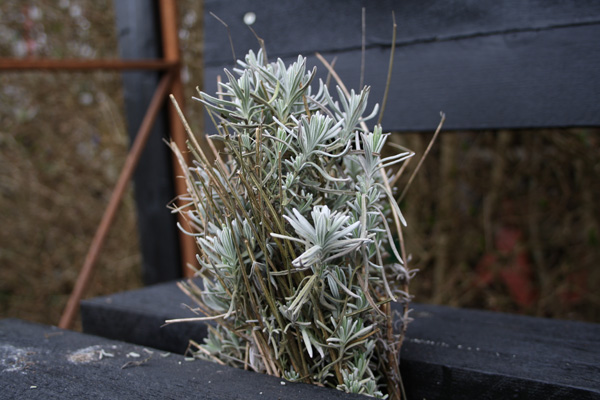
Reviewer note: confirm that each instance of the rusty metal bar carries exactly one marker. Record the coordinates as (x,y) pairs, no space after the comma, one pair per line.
(22,65)
(109,214)
(171,52)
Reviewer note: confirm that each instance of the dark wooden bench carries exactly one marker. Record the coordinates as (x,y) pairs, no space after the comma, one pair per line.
(44,362)
(486,64)
(449,352)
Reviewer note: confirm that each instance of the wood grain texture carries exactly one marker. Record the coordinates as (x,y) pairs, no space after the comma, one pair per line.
(153,180)
(487,65)
(43,362)
(293,27)
(482,354)
(464,354)
(139,318)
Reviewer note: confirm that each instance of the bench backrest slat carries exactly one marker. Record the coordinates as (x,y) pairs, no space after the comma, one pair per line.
(486,64)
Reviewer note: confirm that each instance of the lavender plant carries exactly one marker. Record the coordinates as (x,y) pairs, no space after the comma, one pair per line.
(292,223)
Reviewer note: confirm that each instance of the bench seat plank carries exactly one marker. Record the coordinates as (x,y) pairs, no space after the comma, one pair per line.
(43,362)
(468,353)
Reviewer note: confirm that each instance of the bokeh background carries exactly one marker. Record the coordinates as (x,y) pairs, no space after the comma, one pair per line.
(500,220)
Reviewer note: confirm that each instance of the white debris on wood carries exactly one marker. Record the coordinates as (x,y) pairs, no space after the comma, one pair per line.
(427,342)
(105,354)
(89,354)
(85,355)
(14,359)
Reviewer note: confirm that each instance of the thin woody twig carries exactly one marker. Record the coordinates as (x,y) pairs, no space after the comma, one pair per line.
(339,82)
(328,79)
(131,364)
(363,48)
(228,34)
(390,68)
(261,42)
(412,176)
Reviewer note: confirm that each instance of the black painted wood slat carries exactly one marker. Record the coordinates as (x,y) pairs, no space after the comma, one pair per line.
(293,27)
(464,354)
(138,317)
(481,355)
(43,362)
(487,65)
(139,38)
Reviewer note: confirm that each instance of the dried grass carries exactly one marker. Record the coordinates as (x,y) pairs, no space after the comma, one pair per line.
(508,221)
(62,144)
(57,172)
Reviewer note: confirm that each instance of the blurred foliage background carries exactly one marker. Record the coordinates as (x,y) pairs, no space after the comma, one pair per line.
(501,220)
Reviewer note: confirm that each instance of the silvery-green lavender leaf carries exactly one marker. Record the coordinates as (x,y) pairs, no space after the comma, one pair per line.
(292,228)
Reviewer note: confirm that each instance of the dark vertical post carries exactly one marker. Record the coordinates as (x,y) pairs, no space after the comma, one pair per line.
(139,38)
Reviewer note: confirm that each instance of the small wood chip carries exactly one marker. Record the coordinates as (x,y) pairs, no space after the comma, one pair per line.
(136,363)
(105,354)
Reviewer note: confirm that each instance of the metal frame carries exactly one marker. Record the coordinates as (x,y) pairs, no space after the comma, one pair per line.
(169,83)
